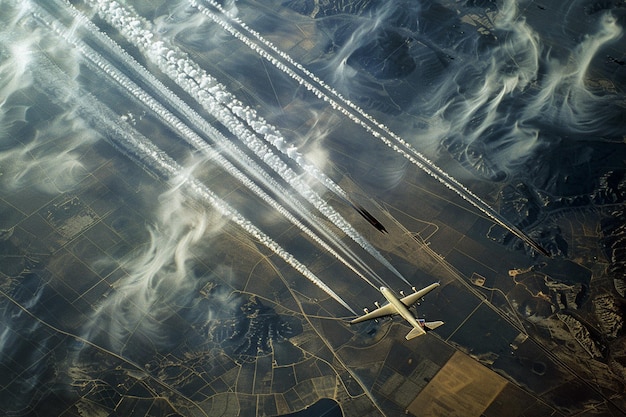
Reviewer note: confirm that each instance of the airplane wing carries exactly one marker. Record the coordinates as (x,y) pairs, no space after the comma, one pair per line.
(386,310)
(411,299)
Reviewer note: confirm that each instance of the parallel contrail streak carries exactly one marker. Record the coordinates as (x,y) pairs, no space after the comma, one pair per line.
(141,150)
(222,105)
(198,143)
(285,63)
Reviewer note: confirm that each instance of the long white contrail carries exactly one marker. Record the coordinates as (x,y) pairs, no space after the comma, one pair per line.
(132,89)
(137,147)
(311,82)
(221,104)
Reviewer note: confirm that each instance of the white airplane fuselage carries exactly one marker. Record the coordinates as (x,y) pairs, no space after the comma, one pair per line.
(400,307)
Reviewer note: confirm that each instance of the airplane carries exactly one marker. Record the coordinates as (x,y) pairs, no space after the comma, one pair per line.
(401,306)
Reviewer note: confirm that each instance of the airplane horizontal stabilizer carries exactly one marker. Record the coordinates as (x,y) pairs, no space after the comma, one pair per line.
(432,325)
(415,332)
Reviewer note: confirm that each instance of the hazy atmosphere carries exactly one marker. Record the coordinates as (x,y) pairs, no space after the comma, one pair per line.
(197,196)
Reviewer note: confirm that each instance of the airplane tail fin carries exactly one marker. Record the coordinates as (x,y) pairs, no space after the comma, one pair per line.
(415,332)
(432,325)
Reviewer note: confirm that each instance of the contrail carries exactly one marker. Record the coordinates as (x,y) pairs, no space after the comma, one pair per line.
(49,79)
(132,89)
(222,105)
(311,82)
